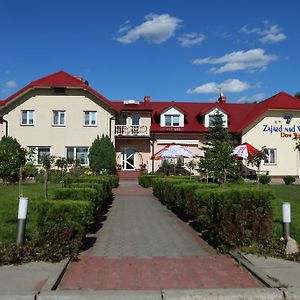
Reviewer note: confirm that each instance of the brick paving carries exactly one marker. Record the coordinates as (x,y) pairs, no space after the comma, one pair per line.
(143,246)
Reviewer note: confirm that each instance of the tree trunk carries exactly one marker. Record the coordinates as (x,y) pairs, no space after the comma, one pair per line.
(20,182)
(46,184)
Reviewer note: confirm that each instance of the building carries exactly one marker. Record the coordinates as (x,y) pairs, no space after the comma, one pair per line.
(61,115)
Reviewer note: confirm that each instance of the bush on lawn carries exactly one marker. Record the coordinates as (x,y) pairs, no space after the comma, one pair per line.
(146,180)
(289,179)
(61,226)
(82,194)
(97,186)
(264,179)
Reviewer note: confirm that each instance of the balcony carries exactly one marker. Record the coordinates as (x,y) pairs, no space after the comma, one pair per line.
(132,130)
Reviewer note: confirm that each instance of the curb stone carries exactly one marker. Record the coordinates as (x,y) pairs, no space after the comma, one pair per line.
(225,294)
(17,295)
(292,294)
(100,295)
(260,275)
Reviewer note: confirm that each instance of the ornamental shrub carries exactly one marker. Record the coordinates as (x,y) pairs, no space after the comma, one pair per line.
(146,180)
(97,186)
(264,179)
(289,179)
(82,194)
(62,226)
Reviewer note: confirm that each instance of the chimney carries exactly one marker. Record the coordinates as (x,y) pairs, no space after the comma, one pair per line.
(222,99)
(147,100)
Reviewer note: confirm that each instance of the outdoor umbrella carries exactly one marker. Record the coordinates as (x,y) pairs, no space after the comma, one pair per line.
(173,151)
(244,150)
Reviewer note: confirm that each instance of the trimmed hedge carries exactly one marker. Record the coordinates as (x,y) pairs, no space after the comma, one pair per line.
(232,217)
(289,179)
(96,186)
(62,226)
(147,180)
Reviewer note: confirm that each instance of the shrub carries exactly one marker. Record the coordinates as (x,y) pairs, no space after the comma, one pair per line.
(264,179)
(62,226)
(106,181)
(82,194)
(29,170)
(97,186)
(289,179)
(146,180)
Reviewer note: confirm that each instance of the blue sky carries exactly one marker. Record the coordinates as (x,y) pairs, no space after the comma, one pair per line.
(169,49)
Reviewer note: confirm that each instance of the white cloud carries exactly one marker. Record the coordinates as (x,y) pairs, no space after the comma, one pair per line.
(190,39)
(10,84)
(227,86)
(251,60)
(269,33)
(125,27)
(251,99)
(155,29)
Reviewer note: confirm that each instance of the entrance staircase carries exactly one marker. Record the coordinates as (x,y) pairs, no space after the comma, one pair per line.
(129,175)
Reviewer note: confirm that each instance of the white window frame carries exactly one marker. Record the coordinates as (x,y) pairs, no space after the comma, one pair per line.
(89,112)
(75,150)
(267,161)
(59,117)
(27,117)
(172,116)
(36,153)
(214,112)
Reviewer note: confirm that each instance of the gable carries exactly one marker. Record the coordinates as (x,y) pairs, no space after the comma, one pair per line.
(212,113)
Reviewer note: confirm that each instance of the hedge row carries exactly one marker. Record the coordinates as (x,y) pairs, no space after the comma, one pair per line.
(147,180)
(63,221)
(232,217)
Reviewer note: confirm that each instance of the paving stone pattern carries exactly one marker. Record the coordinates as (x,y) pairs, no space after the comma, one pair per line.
(143,246)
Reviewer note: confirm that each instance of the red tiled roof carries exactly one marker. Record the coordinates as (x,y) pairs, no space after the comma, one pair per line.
(240,115)
(281,101)
(58,79)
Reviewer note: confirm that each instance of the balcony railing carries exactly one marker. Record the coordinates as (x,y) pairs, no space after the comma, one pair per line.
(132,130)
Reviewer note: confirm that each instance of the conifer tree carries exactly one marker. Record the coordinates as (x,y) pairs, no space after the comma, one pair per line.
(102,155)
(218,161)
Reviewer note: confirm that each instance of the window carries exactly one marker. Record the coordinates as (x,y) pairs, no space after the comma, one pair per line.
(59,90)
(40,153)
(124,120)
(211,119)
(27,117)
(89,118)
(171,120)
(58,118)
(135,120)
(271,157)
(80,153)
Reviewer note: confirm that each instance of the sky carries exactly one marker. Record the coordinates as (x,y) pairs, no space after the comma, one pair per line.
(171,50)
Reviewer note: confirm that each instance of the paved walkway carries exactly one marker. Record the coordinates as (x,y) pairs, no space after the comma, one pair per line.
(143,246)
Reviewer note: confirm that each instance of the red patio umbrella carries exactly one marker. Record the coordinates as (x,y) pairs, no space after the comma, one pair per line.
(245,150)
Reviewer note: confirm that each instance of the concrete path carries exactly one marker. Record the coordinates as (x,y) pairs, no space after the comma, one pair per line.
(143,246)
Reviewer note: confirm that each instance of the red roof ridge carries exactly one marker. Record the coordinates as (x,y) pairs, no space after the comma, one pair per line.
(58,79)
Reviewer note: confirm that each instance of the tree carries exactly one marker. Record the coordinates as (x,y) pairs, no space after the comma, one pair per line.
(12,158)
(102,155)
(297,95)
(255,161)
(191,165)
(62,164)
(218,161)
(47,162)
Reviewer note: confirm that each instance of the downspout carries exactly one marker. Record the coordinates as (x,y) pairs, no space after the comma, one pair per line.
(152,167)
(6,127)
(110,126)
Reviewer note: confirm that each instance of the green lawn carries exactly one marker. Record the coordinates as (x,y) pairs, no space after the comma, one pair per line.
(9,208)
(286,193)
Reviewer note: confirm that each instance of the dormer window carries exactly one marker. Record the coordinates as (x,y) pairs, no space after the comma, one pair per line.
(172,117)
(172,120)
(209,117)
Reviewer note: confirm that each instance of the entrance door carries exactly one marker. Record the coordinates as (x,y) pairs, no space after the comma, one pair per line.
(128,159)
